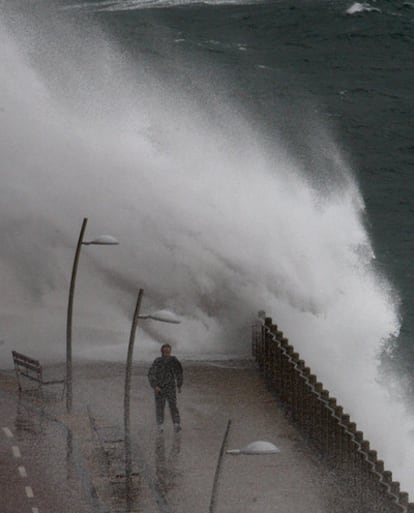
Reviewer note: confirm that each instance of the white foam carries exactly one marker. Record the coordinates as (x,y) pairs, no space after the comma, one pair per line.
(131,5)
(358,7)
(213,223)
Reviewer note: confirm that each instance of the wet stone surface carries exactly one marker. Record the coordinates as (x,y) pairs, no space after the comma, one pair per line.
(78,462)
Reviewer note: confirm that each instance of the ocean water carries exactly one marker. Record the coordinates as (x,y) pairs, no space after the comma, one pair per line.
(248,155)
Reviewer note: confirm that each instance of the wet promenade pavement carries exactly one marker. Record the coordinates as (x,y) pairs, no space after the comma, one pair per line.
(41,467)
(76,463)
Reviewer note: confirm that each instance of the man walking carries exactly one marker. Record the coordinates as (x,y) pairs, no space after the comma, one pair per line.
(165,376)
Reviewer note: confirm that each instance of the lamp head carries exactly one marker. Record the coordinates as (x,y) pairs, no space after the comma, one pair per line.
(162,316)
(103,240)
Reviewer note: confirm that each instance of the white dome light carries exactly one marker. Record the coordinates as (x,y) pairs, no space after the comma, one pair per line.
(258,447)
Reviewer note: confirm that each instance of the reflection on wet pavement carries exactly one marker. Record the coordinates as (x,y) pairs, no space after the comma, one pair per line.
(167,465)
(50,464)
(27,421)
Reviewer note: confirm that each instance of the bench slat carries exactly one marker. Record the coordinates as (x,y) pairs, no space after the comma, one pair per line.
(34,368)
(29,376)
(24,358)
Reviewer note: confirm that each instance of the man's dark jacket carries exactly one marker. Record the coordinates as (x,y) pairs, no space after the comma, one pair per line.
(165,373)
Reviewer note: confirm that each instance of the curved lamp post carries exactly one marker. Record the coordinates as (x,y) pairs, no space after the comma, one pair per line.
(161,316)
(103,240)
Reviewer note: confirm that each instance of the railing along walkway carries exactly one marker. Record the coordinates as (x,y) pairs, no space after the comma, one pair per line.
(325,424)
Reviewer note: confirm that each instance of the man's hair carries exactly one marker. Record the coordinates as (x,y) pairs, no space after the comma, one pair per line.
(163,346)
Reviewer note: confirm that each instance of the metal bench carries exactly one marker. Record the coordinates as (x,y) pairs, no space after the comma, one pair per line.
(31,369)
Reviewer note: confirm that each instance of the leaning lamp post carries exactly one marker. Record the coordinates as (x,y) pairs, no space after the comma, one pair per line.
(103,240)
(161,316)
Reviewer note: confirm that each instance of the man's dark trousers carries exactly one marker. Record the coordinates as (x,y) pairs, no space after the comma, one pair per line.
(166,394)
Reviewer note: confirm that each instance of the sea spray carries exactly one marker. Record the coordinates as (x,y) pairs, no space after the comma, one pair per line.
(213,224)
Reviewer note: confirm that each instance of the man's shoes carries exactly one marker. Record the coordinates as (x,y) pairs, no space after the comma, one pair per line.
(177,428)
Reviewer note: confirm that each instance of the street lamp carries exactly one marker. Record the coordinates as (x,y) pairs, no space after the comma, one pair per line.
(161,316)
(103,240)
(257,447)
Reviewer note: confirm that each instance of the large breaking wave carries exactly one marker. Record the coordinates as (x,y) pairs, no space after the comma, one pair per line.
(213,221)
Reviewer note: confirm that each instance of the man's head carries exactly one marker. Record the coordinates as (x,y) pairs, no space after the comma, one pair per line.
(166,350)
